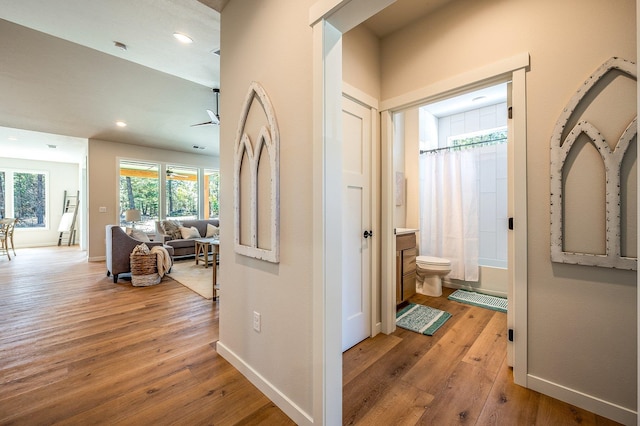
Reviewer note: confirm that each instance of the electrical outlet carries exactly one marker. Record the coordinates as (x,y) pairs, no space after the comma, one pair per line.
(102,209)
(257,322)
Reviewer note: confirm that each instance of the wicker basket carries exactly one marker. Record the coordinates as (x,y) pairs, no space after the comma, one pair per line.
(144,270)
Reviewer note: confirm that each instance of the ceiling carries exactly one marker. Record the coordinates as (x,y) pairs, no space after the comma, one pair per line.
(62,74)
(400,14)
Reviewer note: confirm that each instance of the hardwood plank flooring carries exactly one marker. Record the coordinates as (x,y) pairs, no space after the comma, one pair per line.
(459,376)
(76,349)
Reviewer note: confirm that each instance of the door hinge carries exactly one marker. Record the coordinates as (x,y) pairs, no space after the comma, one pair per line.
(510,112)
(511,224)
(511,335)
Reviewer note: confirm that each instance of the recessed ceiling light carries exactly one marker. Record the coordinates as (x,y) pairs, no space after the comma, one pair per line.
(478,98)
(198,147)
(52,146)
(120,45)
(121,124)
(183,38)
(12,138)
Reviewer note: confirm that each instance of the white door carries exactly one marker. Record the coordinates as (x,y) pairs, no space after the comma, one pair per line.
(356,221)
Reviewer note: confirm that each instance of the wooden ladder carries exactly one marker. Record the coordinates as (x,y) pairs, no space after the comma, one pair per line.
(69,216)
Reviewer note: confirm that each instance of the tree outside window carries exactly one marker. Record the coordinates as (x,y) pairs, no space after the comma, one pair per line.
(29,199)
(182,192)
(140,190)
(211,193)
(23,195)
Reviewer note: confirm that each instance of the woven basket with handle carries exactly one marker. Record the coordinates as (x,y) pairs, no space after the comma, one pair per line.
(144,270)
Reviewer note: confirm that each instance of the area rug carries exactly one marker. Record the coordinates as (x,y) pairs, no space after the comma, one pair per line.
(195,277)
(478,299)
(421,319)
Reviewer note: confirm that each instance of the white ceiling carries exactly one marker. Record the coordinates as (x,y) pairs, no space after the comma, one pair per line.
(62,74)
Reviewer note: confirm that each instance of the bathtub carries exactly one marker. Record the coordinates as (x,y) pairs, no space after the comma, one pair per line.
(492,280)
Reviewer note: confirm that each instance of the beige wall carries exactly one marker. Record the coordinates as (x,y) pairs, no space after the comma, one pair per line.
(103,182)
(581,320)
(270,42)
(361,60)
(582,329)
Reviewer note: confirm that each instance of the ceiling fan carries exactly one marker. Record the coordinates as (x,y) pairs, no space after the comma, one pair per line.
(171,173)
(215,117)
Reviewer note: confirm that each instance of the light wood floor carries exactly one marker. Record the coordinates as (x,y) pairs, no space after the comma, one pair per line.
(459,376)
(77,349)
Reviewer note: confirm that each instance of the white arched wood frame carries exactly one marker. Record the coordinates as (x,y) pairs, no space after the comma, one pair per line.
(612,160)
(269,139)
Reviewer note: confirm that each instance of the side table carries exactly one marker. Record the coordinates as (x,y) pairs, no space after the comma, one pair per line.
(203,246)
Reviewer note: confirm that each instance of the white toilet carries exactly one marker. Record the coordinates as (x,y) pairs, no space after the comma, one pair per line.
(429,274)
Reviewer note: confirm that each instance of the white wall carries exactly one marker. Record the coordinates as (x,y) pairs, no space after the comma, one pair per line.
(103,182)
(582,320)
(270,42)
(61,177)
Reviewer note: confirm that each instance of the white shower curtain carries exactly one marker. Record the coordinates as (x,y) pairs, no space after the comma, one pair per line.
(449,210)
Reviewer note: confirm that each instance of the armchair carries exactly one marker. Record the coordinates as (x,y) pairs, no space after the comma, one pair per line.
(119,248)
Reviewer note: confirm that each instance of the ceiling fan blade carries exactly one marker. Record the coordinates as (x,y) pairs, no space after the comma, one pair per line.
(201,124)
(214,118)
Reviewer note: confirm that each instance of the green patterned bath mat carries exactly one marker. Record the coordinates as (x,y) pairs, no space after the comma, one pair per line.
(479,299)
(421,319)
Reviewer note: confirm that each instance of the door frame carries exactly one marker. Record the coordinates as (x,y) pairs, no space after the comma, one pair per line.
(510,69)
(329,19)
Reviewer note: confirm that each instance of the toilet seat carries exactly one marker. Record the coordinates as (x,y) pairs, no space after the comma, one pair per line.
(433,263)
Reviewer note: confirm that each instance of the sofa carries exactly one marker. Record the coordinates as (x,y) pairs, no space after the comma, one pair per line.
(182,247)
(119,248)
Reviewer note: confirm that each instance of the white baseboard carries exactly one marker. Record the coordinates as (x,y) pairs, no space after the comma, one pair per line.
(281,400)
(97,259)
(571,396)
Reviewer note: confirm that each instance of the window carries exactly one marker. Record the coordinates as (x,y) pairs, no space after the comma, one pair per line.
(211,193)
(182,192)
(140,190)
(2,192)
(487,137)
(24,195)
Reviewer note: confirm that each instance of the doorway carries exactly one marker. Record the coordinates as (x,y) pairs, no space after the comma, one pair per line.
(431,141)
(513,72)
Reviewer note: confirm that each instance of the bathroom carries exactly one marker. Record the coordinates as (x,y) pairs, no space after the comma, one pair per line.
(428,199)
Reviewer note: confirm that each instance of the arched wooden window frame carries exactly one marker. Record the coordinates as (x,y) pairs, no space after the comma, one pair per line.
(269,139)
(612,162)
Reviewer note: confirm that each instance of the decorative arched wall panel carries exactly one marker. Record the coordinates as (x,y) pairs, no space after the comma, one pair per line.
(257,225)
(564,144)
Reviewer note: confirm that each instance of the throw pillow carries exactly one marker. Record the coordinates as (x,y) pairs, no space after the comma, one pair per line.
(189,232)
(212,231)
(172,229)
(139,235)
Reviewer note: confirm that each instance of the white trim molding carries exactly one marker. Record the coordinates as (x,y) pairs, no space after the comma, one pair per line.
(579,399)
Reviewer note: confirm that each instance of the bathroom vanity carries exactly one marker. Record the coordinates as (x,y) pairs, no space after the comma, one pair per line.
(405,264)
